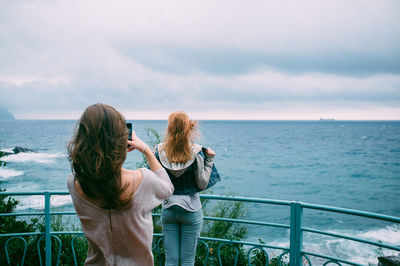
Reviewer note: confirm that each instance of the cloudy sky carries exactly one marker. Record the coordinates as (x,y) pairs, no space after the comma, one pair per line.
(214,59)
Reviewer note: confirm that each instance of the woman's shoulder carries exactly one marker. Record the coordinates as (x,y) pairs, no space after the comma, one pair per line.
(131,175)
(196,148)
(70,180)
(71,185)
(133,180)
(146,175)
(197,151)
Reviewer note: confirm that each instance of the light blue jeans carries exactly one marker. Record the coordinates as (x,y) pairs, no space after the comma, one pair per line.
(181,230)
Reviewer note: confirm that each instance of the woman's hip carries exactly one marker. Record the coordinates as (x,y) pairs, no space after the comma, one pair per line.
(177,214)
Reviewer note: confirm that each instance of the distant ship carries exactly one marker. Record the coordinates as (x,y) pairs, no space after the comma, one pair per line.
(326,119)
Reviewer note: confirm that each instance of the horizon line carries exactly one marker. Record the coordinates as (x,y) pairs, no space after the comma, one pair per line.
(210,119)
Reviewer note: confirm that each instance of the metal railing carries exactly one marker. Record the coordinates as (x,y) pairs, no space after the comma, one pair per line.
(297,255)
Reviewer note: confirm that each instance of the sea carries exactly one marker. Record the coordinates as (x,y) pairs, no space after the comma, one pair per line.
(347,164)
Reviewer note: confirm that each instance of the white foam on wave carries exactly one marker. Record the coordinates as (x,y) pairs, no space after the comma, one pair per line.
(30,202)
(45,158)
(353,251)
(7,150)
(37,201)
(390,235)
(359,252)
(6,173)
(58,201)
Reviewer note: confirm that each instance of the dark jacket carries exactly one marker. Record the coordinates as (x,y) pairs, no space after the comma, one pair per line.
(197,174)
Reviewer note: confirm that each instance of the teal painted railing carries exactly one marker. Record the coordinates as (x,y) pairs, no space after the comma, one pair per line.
(296,229)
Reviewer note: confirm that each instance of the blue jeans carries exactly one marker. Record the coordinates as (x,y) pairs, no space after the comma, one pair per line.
(181,230)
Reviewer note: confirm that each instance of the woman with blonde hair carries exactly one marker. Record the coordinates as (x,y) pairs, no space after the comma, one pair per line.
(113,203)
(189,167)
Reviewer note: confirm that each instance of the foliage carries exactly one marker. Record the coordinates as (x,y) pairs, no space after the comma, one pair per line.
(11,224)
(259,257)
(61,223)
(15,248)
(217,229)
(224,230)
(154,138)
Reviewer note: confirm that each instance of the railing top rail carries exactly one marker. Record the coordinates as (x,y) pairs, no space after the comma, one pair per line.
(205,196)
(246,199)
(294,205)
(26,193)
(32,193)
(352,212)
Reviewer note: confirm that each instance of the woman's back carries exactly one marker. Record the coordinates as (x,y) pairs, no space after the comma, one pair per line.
(122,236)
(114,204)
(189,172)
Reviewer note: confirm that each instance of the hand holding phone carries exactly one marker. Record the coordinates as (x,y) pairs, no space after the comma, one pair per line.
(129,127)
(136,143)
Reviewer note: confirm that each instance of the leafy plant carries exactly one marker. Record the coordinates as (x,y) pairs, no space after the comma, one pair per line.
(259,257)
(12,224)
(60,223)
(224,230)
(154,138)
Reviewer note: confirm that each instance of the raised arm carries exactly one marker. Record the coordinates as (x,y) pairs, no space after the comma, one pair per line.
(137,144)
(160,185)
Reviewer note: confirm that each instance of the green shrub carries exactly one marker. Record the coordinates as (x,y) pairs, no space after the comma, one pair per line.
(14,224)
(224,230)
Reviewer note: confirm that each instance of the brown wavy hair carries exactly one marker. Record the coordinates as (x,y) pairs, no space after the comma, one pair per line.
(97,152)
(178,139)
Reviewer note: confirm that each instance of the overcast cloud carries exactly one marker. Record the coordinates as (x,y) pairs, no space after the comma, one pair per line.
(213,59)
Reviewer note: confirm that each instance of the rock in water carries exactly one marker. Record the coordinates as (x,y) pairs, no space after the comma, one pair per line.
(20,149)
(389,261)
(16,150)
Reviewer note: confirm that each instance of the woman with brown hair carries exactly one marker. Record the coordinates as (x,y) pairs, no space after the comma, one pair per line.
(189,172)
(114,204)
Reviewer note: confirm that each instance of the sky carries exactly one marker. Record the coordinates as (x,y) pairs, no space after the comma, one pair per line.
(257,59)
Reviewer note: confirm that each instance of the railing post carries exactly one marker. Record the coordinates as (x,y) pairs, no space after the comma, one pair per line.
(296,234)
(47,227)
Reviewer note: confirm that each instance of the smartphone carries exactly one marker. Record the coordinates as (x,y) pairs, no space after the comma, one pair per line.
(129,127)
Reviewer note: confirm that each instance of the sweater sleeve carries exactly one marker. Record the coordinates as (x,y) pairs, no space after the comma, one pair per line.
(204,169)
(158,187)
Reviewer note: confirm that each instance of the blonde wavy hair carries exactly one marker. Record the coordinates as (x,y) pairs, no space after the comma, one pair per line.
(179,137)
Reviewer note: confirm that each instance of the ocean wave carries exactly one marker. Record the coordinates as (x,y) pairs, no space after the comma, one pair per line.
(58,201)
(350,250)
(359,252)
(45,158)
(37,201)
(390,234)
(7,150)
(6,173)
